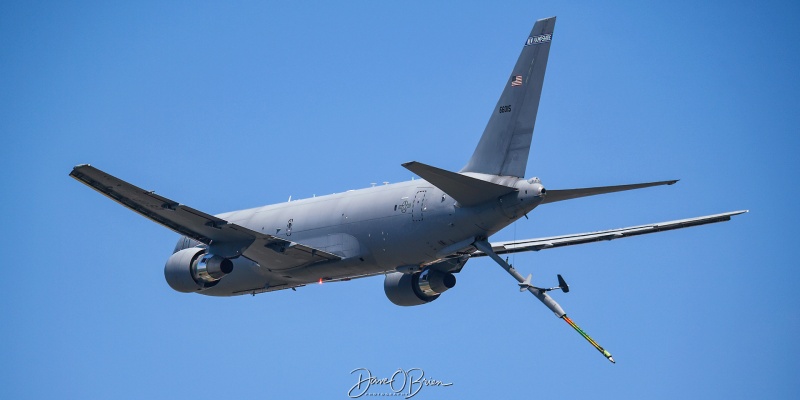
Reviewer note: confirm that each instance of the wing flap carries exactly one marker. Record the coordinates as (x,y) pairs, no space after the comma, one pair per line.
(599,236)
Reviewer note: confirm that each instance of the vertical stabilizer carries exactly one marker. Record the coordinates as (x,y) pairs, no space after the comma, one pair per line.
(506,141)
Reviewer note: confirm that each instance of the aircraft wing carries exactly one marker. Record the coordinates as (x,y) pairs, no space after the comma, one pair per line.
(223,238)
(516,246)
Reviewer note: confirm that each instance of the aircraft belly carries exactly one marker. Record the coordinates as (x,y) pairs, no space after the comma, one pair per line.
(249,277)
(338,270)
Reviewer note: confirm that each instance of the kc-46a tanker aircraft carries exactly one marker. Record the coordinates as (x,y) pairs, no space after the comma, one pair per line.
(418,234)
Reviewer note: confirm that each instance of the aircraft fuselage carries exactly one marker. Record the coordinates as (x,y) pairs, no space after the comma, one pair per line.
(375,230)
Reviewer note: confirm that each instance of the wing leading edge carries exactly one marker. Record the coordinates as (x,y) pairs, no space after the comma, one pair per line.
(516,246)
(223,238)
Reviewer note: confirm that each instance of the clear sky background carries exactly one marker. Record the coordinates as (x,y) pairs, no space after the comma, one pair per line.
(224,107)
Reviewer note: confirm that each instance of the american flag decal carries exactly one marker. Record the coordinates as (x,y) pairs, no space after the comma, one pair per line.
(517,81)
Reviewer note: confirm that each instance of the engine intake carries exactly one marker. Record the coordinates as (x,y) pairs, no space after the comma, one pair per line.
(418,288)
(192,270)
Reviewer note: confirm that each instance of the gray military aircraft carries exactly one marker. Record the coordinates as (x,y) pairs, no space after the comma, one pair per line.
(418,233)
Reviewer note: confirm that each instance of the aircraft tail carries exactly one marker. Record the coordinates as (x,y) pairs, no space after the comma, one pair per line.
(506,141)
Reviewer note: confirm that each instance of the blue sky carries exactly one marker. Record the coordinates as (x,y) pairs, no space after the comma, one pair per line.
(225,107)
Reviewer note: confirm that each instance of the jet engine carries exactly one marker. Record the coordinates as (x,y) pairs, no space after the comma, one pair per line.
(417,288)
(192,270)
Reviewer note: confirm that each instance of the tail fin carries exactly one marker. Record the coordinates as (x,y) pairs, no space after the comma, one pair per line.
(506,141)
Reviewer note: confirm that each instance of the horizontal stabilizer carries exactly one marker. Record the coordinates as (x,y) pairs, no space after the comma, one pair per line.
(568,194)
(468,191)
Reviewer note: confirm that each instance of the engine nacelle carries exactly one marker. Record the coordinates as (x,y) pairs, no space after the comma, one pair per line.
(192,270)
(418,288)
